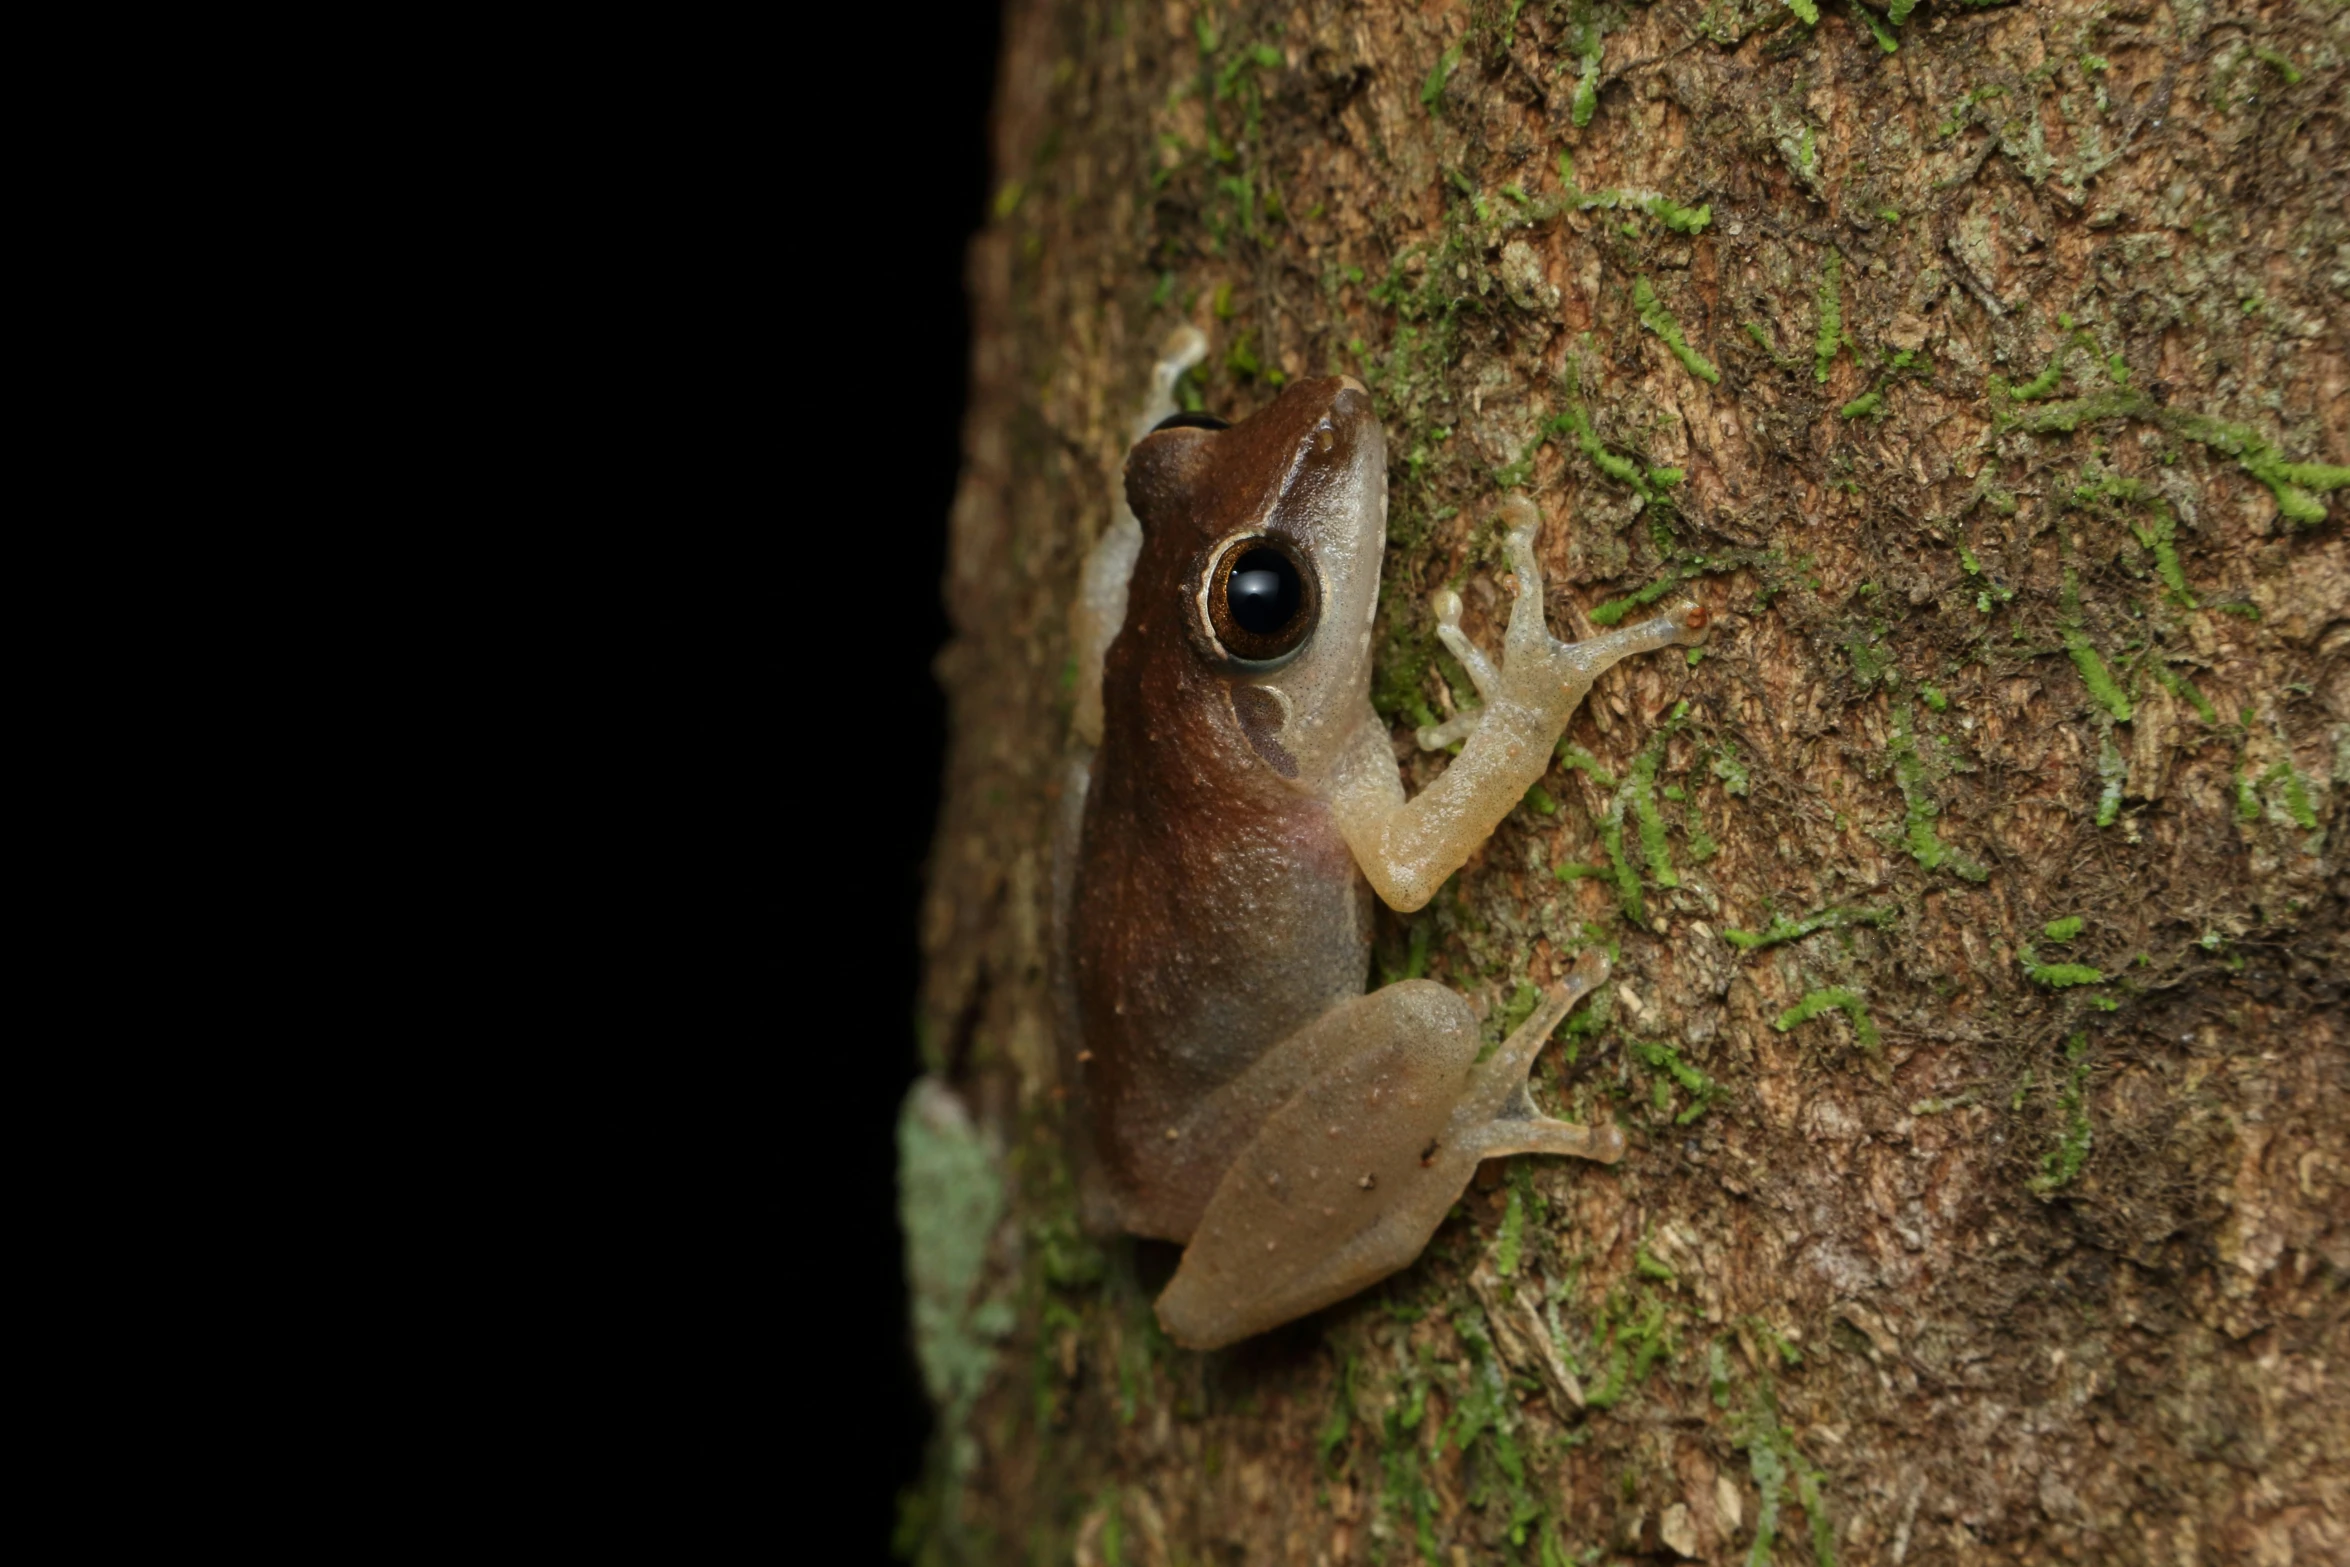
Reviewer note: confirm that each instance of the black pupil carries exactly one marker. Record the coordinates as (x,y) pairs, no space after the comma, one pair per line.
(1263,592)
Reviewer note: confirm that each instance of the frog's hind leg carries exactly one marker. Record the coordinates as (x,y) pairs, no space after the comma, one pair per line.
(1379,1113)
(1323,1183)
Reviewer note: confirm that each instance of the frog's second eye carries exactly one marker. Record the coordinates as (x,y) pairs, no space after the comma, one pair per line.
(1261,600)
(1189,421)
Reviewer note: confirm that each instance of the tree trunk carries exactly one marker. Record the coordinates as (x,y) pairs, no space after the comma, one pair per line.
(1978,1020)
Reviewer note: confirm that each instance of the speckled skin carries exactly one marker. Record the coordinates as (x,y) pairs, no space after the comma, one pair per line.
(1236,1088)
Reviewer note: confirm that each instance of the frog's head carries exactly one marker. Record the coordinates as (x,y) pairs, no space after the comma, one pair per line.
(1275,527)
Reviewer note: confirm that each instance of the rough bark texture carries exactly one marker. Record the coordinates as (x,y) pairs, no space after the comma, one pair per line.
(1980,1027)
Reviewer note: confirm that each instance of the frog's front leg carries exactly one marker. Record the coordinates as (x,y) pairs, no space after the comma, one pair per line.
(1386,1113)
(1406,849)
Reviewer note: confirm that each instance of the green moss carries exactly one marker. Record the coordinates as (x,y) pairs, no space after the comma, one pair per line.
(1433,90)
(2159,535)
(2096,676)
(1659,320)
(1681,220)
(1611,838)
(2295,792)
(2056,976)
(1415,956)
(1772,1460)
(1614,610)
(1574,756)
(1932,696)
(2042,385)
(1621,469)
(1762,341)
(1664,1059)
(1781,929)
(2247,798)
(1637,799)
(2284,65)
(1630,1346)
(2064,418)
(1868,664)
(1649,1268)
(1806,11)
(1877,29)
(1512,1236)
(2297,803)
(1404,1486)
(2161,540)
(2184,691)
(1833,998)
(1731,772)
(2061,1164)
(2320,476)
(1831,308)
(2062,930)
(1866,403)
(2291,483)
(1539,799)
(1909,772)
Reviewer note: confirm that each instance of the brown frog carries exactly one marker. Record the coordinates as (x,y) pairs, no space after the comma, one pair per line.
(1234,804)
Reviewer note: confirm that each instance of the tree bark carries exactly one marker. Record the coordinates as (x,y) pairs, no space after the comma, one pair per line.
(1978,1023)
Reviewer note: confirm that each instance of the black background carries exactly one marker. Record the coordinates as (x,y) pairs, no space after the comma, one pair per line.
(902,325)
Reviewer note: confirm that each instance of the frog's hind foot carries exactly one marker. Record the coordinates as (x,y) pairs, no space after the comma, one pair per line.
(1500,1116)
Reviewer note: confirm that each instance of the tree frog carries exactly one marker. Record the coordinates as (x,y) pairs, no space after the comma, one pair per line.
(1232,805)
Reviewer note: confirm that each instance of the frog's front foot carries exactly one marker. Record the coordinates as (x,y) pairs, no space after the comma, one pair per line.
(1447,607)
(1536,669)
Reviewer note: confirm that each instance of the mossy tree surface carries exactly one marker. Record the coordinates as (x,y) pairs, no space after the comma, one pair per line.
(1979,1023)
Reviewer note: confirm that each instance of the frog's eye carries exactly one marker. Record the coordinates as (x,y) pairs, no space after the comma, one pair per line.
(1189,421)
(1262,600)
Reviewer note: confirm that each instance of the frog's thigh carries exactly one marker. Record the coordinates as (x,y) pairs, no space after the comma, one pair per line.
(1340,1184)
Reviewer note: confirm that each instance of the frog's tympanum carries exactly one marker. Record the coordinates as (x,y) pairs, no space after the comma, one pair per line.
(1234,803)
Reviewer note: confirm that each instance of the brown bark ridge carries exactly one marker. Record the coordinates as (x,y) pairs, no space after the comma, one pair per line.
(1979,1019)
